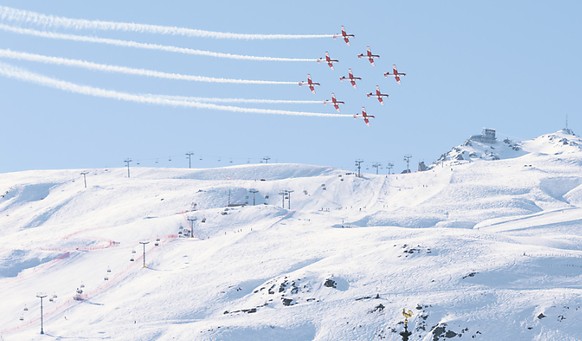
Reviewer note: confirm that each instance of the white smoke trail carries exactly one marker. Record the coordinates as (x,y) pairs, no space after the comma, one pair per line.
(147,46)
(50,21)
(129,71)
(10,71)
(238,100)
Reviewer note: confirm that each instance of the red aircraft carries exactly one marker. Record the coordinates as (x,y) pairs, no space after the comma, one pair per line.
(309,83)
(378,95)
(365,116)
(369,55)
(351,78)
(395,73)
(345,35)
(334,102)
(328,60)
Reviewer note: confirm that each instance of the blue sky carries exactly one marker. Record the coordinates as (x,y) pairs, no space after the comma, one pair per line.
(509,65)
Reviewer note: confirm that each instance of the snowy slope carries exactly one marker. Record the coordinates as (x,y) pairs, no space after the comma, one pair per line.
(483,248)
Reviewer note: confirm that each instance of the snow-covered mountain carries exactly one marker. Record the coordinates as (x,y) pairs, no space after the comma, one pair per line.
(487,147)
(486,245)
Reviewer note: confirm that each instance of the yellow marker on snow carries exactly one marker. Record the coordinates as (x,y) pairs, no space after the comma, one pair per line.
(407,314)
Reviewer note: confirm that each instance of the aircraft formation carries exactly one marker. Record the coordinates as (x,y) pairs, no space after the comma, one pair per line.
(353,79)
(16,21)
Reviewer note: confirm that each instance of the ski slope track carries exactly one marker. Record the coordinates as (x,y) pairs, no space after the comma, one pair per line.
(484,245)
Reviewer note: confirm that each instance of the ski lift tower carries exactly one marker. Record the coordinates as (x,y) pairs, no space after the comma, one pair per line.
(283,195)
(289,198)
(143,243)
(254,191)
(359,167)
(407,158)
(41,295)
(389,166)
(377,166)
(189,156)
(84,174)
(127,161)
(192,220)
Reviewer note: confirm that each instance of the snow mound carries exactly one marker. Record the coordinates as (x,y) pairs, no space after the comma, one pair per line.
(259,172)
(23,194)
(16,261)
(560,142)
(305,331)
(574,197)
(475,149)
(559,187)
